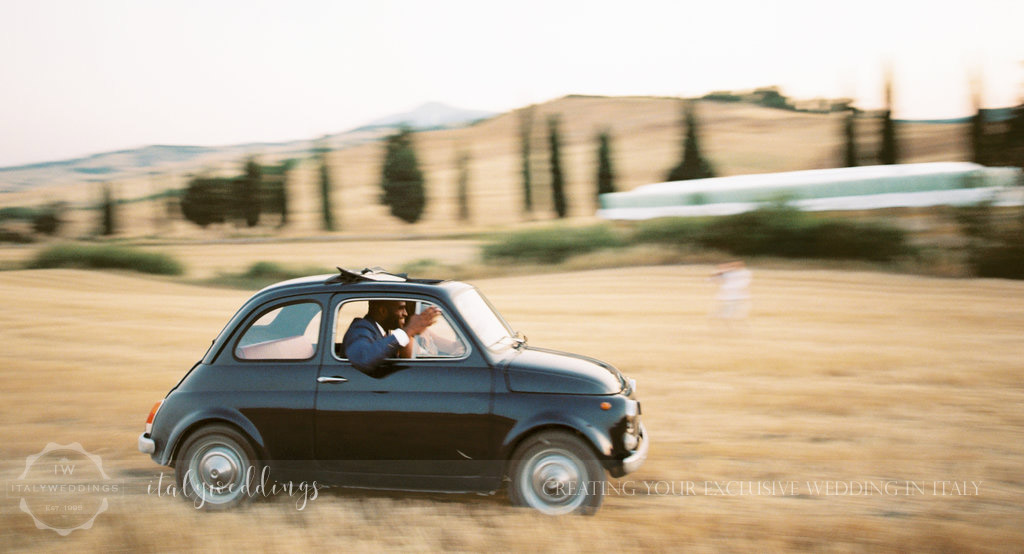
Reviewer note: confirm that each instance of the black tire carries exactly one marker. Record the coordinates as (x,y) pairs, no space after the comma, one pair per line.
(556,473)
(213,467)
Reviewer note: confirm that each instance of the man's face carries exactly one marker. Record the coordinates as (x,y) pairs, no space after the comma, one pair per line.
(394,315)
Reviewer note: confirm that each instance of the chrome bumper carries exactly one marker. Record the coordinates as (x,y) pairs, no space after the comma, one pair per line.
(146,444)
(633,463)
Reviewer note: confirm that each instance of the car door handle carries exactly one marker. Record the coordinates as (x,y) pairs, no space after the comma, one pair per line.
(331,379)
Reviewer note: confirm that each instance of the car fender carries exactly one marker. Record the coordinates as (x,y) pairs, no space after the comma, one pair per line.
(197,419)
(598,439)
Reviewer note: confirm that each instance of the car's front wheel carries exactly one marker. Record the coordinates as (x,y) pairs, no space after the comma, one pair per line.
(215,468)
(556,473)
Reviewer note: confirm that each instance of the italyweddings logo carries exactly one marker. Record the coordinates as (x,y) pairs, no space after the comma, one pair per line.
(63,488)
(206,494)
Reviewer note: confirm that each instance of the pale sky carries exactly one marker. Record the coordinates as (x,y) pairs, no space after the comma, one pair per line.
(81,77)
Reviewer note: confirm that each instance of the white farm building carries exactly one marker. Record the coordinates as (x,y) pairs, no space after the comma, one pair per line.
(850,188)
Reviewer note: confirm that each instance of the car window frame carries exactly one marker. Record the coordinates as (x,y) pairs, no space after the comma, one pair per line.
(453,322)
(258,313)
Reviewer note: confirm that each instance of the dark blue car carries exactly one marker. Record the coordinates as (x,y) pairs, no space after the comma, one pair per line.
(474,406)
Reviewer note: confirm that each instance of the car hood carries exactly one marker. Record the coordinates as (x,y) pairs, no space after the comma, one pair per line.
(547,371)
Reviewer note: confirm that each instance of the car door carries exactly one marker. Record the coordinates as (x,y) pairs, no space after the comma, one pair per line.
(419,423)
(270,368)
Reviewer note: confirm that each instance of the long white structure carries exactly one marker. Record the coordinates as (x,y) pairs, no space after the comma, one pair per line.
(850,188)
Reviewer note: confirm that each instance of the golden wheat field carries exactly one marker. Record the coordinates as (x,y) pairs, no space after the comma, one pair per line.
(851,412)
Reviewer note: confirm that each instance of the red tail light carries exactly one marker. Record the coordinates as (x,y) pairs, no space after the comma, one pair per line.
(152,414)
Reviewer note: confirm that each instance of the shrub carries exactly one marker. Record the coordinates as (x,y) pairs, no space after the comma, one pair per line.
(780,231)
(263,273)
(848,240)
(47,222)
(279,272)
(994,246)
(1004,261)
(676,231)
(15,236)
(106,257)
(551,245)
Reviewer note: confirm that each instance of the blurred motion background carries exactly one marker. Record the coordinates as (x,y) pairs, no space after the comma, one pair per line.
(196,151)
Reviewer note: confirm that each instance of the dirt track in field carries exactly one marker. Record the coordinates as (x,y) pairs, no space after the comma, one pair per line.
(786,433)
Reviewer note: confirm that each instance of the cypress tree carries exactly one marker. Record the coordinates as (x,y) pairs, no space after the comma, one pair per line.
(693,165)
(108,225)
(889,153)
(462,192)
(282,201)
(326,210)
(250,192)
(605,174)
(525,131)
(1012,143)
(557,179)
(402,179)
(850,137)
(976,129)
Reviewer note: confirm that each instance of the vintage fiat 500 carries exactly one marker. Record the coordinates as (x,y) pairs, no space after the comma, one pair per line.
(468,408)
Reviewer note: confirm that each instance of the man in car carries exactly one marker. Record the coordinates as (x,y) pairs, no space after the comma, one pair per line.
(386,331)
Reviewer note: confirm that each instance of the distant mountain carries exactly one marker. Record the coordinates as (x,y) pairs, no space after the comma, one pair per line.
(110,166)
(990,114)
(432,115)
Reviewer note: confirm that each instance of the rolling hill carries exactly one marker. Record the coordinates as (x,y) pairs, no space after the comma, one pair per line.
(737,138)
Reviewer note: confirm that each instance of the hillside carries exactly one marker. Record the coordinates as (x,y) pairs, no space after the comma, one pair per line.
(737,138)
(161,159)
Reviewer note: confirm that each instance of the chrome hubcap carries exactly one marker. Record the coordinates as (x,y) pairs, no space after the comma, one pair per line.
(217,469)
(554,484)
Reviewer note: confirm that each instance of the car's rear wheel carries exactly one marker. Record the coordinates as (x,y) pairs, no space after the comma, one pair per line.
(217,467)
(556,473)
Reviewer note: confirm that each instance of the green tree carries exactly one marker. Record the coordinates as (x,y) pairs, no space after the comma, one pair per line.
(979,153)
(693,164)
(108,207)
(889,153)
(249,188)
(462,192)
(557,178)
(771,97)
(605,173)
(282,190)
(850,139)
(402,179)
(208,200)
(48,220)
(1013,139)
(525,132)
(326,209)
(274,190)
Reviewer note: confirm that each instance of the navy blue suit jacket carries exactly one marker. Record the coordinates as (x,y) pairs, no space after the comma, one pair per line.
(365,347)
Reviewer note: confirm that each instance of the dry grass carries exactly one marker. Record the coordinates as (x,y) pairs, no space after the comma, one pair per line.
(837,376)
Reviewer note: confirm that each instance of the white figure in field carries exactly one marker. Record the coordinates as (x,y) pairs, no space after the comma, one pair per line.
(733,298)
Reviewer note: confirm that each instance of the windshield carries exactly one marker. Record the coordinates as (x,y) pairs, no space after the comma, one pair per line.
(489,326)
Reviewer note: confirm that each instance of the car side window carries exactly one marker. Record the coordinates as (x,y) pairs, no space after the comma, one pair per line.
(440,341)
(289,332)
